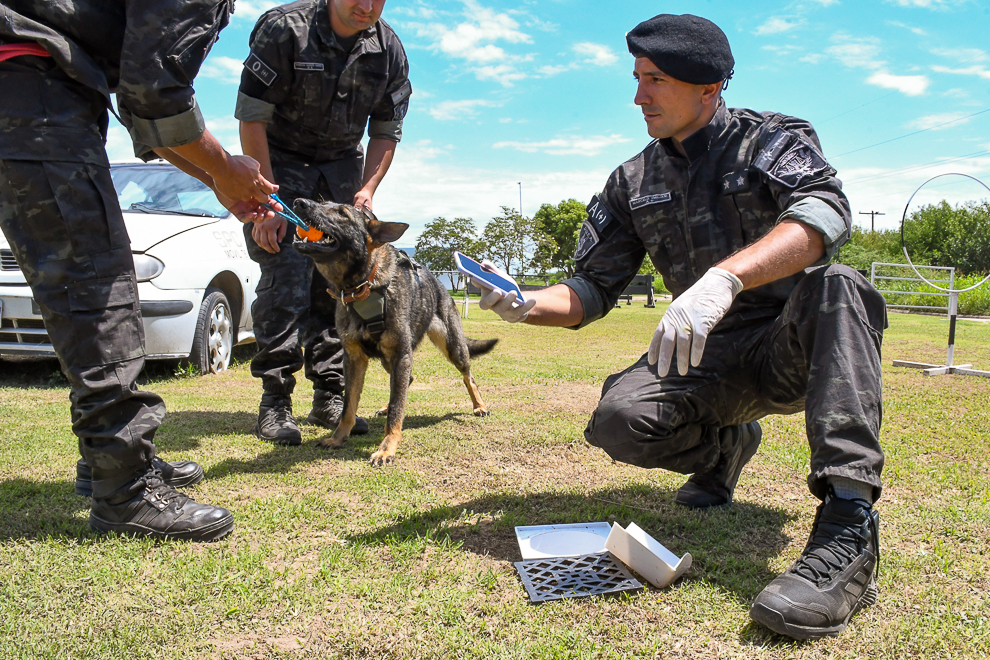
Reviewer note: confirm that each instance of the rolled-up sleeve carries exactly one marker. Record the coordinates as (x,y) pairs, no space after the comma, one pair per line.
(158,67)
(385,120)
(249,108)
(806,188)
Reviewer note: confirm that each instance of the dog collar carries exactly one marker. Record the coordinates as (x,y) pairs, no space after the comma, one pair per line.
(360,292)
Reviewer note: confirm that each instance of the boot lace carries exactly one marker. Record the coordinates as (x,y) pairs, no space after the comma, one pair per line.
(833,546)
(156,488)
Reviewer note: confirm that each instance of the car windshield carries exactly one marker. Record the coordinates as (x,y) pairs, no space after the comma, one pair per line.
(165,190)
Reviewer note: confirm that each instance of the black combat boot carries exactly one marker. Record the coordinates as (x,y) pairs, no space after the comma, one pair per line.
(833,578)
(715,488)
(177,475)
(327,409)
(151,508)
(275,421)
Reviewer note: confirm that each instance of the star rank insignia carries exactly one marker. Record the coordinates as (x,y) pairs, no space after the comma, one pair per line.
(734,182)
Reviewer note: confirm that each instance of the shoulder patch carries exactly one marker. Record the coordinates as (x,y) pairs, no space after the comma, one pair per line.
(648,200)
(800,161)
(402,93)
(263,72)
(768,156)
(599,215)
(587,239)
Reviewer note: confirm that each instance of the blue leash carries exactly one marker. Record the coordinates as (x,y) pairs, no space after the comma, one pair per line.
(290,215)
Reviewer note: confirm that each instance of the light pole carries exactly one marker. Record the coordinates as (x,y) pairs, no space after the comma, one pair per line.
(520,197)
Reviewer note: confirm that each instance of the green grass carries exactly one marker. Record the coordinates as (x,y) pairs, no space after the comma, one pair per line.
(333,558)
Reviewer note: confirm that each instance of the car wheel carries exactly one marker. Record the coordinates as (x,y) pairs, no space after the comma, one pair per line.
(214,337)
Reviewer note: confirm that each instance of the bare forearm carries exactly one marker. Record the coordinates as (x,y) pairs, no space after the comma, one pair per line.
(254,143)
(378,160)
(790,247)
(555,306)
(184,165)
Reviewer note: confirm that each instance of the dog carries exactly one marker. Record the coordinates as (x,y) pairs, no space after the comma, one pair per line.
(386,304)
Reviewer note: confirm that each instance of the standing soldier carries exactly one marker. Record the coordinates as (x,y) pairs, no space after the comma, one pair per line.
(318,71)
(740,213)
(59,61)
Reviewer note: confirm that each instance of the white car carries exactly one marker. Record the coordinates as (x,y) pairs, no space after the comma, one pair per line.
(195,279)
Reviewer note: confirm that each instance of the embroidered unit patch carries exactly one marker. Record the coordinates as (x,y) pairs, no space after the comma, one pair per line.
(264,72)
(640,202)
(587,239)
(599,214)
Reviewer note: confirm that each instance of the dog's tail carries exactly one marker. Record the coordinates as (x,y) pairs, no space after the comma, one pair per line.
(480,346)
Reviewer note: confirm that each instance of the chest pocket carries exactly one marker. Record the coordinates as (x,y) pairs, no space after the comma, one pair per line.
(756,209)
(661,230)
(362,85)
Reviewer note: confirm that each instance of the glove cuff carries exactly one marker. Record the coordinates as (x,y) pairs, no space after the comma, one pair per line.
(734,282)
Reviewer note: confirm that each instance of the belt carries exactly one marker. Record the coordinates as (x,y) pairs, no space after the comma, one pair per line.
(8,51)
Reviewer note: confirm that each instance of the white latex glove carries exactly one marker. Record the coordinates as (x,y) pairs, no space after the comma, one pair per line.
(500,302)
(690,318)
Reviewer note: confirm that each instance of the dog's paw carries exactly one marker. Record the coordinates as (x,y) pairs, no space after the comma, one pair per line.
(380,458)
(382,412)
(481,412)
(331,443)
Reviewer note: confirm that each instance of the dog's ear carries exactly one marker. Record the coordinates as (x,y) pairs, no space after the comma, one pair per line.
(383,232)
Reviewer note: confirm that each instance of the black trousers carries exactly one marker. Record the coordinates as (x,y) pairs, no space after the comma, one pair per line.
(59,212)
(821,354)
(294,316)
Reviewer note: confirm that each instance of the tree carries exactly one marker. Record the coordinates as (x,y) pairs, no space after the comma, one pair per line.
(511,240)
(562,224)
(435,246)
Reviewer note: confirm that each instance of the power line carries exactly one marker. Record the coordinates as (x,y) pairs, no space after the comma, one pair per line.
(930,128)
(825,121)
(915,168)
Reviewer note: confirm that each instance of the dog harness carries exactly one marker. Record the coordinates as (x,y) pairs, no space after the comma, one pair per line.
(369,303)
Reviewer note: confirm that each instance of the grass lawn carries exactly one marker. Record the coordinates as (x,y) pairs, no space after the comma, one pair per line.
(333,558)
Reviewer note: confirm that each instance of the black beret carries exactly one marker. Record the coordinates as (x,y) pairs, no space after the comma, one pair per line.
(689,48)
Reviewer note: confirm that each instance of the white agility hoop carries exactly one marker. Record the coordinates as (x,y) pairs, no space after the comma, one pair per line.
(904,245)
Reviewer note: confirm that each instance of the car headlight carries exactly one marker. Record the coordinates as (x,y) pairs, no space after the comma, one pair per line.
(147,267)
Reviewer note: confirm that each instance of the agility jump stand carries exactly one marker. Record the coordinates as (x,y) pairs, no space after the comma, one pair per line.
(948,368)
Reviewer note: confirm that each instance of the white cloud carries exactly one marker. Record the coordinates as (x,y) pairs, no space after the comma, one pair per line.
(226,129)
(225,69)
(783,50)
(926,4)
(956,93)
(827,3)
(249,10)
(915,30)
(776,26)
(464,109)
(474,41)
(119,145)
(566,146)
(813,58)
(863,53)
(553,69)
(936,121)
(963,55)
(596,54)
(909,85)
(974,70)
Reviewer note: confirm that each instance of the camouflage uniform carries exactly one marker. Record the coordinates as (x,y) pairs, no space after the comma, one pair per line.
(806,342)
(58,207)
(315,98)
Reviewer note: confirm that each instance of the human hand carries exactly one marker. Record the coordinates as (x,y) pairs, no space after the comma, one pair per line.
(500,302)
(241,180)
(363,199)
(249,211)
(269,233)
(690,318)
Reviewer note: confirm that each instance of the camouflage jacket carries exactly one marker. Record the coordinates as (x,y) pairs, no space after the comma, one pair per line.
(743,173)
(147,51)
(315,97)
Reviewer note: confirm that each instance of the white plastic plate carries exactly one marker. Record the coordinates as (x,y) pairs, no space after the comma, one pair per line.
(571,540)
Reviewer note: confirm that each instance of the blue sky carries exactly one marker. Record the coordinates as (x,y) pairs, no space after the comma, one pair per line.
(542,93)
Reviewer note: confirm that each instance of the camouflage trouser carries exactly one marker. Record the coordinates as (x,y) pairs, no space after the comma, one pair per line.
(294,316)
(820,355)
(66,231)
